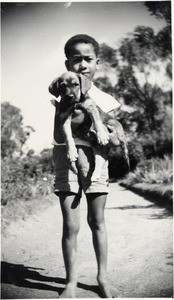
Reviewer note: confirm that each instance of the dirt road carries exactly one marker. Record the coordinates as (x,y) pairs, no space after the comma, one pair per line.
(139,245)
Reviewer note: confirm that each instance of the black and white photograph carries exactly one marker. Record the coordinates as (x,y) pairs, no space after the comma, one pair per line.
(86,149)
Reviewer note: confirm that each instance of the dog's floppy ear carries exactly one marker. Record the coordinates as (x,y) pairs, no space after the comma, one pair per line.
(85,84)
(54,87)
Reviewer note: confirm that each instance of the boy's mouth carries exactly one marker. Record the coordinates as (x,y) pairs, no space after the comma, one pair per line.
(87,74)
(84,72)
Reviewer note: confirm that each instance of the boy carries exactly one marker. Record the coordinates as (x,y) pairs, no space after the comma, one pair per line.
(82,57)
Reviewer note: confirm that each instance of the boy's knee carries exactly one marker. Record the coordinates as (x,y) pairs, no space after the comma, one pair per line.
(71,228)
(96,223)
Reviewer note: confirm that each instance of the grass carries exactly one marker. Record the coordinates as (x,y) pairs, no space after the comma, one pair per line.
(41,198)
(153,171)
(153,178)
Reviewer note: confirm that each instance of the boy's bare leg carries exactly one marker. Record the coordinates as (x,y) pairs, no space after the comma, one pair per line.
(96,205)
(70,205)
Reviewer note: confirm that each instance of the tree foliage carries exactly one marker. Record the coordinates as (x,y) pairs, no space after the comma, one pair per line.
(21,172)
(141,62)
(13,133)
(160,9)
(146,101)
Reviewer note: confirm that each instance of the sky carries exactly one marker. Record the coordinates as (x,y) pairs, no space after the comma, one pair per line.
(32,50)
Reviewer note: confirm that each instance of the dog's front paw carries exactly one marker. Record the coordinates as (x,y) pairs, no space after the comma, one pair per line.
(103,136)
(72,155)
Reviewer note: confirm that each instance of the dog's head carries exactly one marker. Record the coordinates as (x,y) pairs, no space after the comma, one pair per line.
(70,86)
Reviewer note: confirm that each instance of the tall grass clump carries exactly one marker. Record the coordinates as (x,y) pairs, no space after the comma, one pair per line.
(153,171)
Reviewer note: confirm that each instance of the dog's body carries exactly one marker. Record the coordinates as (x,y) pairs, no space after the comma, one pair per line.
(91,122)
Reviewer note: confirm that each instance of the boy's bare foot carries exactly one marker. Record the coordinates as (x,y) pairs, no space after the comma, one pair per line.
(68,292)
(105,289)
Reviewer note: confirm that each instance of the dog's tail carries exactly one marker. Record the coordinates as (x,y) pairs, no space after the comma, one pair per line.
(126,154)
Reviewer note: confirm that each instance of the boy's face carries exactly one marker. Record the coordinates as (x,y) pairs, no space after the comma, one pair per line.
(83,60)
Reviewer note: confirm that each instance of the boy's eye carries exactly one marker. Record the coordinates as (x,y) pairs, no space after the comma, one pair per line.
(76,59)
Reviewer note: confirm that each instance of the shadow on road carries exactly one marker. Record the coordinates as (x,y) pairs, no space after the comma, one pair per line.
(131,207)
(161,213)
(20,275)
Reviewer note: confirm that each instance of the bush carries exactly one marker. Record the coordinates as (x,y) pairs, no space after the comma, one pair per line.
(152,171)
(23,179)
(14,182)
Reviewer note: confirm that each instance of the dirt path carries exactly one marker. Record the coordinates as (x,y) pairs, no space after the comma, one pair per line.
(140,252)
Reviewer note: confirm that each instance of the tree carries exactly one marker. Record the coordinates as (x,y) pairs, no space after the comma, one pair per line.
(46,160)
(146,101)
(23,174)
(13,132)
(160,9)
(141,63)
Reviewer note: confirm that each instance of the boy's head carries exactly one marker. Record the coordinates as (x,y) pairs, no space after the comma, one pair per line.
(82,55)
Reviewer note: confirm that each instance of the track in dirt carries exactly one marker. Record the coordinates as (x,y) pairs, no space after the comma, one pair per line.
(139,246)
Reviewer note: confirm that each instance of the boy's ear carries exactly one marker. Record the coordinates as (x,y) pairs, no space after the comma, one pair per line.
(98,63)
(67,65)
(54,88)
(85,84)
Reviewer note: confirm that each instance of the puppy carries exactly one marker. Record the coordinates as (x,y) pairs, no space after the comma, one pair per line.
(93,125)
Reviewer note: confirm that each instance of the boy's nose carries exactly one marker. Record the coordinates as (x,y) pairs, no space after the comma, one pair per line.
(83,64)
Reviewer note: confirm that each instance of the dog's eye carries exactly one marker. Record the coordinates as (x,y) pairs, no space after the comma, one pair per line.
(75,84)
(62,86)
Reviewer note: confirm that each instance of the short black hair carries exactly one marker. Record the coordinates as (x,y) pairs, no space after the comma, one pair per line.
(80,38)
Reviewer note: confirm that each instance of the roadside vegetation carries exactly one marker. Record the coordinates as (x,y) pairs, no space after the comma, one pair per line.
(152,171)
(153,178)
(27,178)
(130,73)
